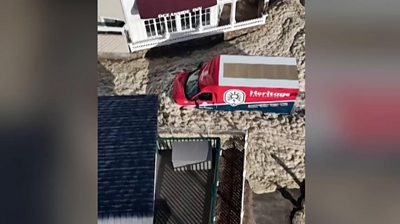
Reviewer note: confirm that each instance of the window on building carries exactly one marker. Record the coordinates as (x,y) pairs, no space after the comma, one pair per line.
(150,28)
(205,17)
(156,27)
(185,21)
(192,20)
(160,25)
(171,23)
(195,18)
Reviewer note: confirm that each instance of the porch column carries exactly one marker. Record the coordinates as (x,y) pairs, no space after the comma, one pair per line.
(233,12)
(201,20)
(154,26)
(190,21)
(166,27)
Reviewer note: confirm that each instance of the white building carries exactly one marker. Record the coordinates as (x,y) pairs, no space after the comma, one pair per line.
(132,25)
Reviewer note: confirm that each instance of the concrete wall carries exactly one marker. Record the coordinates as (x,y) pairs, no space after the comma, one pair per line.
(112,43)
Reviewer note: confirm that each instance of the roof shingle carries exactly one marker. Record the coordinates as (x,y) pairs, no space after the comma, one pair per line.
(127,135)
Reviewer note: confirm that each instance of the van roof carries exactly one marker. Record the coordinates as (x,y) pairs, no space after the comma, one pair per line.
(258,71)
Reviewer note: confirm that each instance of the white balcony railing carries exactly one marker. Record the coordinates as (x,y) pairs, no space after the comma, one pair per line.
(188,35)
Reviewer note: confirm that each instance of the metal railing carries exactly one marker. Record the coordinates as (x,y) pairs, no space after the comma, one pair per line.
(214,190)
(196,34)
(166,144)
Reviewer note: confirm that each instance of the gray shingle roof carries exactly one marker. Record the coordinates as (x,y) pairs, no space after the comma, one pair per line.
(127,135)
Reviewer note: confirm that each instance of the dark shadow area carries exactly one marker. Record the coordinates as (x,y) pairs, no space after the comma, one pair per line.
(225,14)
(185,48)
(230,189)
(210,179)
(182,196)
(273,2)
(297,199)
(105,84)
(275,207)
(287,195)
(247,9)
(162,211)
(271,208)
(287,169)
(300,201)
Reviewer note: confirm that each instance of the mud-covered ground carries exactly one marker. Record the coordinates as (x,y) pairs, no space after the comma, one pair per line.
(275,144)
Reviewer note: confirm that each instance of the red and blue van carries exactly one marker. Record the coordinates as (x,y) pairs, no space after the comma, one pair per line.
(235,82)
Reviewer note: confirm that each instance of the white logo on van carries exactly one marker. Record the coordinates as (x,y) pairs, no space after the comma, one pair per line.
(234,97)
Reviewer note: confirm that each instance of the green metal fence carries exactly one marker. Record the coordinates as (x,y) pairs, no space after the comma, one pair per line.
(166,144)
(214,190)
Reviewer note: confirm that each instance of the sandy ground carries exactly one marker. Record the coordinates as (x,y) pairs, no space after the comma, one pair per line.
(270,137)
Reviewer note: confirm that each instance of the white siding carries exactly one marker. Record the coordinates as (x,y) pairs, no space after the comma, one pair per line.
(137,30)
(214,15)
(110,9)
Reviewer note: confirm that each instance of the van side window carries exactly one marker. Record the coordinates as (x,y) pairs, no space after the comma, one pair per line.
(205,96)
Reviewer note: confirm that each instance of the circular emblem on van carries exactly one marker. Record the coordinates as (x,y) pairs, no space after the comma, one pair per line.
(234,97)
